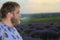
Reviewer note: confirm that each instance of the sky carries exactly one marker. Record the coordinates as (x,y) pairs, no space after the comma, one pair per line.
(36,6)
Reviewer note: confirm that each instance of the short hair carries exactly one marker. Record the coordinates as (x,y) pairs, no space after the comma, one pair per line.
(8,7)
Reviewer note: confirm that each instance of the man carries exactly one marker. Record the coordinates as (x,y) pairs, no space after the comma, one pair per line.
(10,18)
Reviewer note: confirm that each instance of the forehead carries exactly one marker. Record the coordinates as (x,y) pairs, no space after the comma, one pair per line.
(17,9)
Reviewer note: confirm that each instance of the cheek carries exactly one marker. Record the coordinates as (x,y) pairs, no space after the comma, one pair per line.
(17,16)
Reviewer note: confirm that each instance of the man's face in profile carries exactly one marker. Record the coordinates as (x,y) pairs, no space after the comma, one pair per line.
(16,17)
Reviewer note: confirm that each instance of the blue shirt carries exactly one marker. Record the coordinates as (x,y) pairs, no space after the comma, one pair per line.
(9,33)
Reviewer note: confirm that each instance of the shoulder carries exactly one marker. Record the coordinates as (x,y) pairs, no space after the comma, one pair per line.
(1,25)
(1,29)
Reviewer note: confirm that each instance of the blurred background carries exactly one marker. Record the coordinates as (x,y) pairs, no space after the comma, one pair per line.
(40,19)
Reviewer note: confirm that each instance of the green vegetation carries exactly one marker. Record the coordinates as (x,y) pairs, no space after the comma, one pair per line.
(46,19)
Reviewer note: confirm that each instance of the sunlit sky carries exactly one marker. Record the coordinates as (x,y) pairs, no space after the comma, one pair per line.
(37,6)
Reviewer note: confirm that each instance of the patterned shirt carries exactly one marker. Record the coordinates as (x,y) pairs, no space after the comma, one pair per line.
(9,33)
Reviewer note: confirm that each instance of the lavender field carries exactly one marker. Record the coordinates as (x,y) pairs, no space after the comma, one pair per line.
(40,27)
(43,31)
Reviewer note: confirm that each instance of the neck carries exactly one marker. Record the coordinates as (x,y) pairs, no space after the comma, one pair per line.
(7,21)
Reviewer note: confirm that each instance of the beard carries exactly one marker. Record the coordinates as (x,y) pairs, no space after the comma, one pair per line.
(15,22)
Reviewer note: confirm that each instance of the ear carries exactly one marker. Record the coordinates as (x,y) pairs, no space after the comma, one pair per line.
(10,14)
